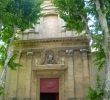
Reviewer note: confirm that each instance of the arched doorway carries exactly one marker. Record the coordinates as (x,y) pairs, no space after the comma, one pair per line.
(49,89)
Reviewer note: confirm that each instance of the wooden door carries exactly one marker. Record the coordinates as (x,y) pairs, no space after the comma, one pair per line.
(49,85)
(49,89)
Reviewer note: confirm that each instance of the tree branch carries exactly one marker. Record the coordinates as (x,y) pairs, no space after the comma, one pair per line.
(9,54)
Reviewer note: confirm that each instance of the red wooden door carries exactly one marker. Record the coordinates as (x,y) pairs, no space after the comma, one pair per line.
(49,85)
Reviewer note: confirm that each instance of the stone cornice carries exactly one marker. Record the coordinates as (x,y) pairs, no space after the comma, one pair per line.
(75,48)
(52,43)
(77,38)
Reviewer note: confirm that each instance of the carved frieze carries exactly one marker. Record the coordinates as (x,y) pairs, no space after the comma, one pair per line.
(48,57)
(55,55)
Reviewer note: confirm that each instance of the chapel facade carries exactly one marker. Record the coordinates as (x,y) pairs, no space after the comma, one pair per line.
(55,62)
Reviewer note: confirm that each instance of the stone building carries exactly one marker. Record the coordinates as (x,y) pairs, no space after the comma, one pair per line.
(55,62)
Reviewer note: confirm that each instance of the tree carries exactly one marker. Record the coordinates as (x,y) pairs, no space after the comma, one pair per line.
(74,14)
(3,4)
(15,14)
(77,14)
(103,11)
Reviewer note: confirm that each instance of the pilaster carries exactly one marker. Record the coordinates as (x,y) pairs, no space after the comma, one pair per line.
(70,70)
(78,75)
(86,73)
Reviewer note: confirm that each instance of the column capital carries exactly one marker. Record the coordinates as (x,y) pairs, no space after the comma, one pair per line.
(69,52)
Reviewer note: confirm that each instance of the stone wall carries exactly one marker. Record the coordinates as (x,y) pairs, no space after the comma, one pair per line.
(70,64)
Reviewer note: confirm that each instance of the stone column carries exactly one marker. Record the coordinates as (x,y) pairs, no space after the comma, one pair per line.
(12,77)
(28,75)
(21,77)
(70,75)
(34,86)
(78,75)
(86,73)
(34,79)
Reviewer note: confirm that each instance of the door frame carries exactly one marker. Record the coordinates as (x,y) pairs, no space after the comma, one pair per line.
(61,85)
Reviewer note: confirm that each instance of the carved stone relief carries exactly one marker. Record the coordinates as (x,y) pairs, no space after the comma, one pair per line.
(48,57)
(37,57)
(53,56)
(69,52)
(62,61)
(61,57)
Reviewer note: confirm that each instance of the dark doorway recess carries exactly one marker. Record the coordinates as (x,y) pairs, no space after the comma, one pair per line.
(49,96)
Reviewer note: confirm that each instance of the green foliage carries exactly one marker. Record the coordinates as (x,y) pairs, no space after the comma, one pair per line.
(71,12)
(3,55)
(96,93)
(99,51)
(105,5)
(20,14)
(12,63)
(14,14)
(6,34)
(1,90)
(3,4)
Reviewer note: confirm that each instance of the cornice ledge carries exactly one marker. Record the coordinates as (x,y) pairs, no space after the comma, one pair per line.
(55,39)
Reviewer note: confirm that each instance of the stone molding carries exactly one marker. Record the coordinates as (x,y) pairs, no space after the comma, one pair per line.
(81,38)
(51,67)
